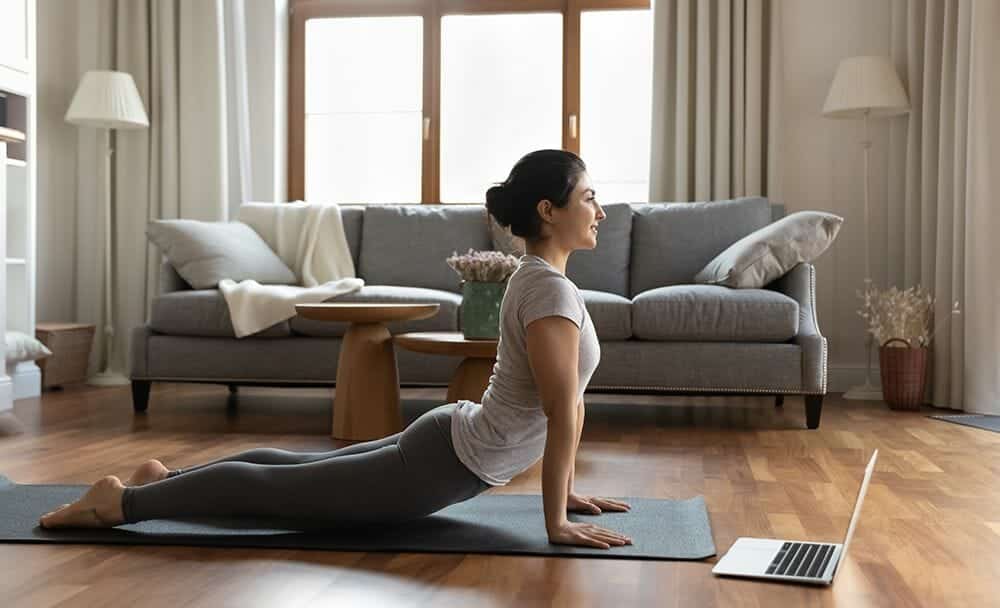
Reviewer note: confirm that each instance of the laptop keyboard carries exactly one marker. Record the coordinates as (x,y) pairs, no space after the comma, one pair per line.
(808,560)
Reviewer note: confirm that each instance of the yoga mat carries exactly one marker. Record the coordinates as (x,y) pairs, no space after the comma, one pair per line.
(979,421)
(510,524)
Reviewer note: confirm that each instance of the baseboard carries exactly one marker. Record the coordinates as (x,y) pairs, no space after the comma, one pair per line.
(26,379)
(841,378)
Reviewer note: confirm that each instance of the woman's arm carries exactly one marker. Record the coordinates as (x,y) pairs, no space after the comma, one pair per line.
(576,503)
(553,345)
(579,433)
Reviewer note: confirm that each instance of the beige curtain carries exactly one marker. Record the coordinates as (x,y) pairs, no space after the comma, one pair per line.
(178,167)
(183,165)
(943,214)
(716,95)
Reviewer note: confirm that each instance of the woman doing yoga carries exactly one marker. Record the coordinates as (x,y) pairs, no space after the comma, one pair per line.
(532,408)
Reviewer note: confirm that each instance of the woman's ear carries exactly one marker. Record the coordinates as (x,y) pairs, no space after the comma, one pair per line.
(544,208)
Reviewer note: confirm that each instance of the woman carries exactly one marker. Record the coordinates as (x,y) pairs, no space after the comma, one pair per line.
(532,408)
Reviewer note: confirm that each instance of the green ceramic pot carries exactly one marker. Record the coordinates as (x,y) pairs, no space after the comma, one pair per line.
(481,309)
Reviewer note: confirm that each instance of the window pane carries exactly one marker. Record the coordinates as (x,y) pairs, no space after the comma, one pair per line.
(364,106)
(616,62)
(501,97)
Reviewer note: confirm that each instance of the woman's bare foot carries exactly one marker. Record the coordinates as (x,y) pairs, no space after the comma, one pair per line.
(100,507)
(148,472)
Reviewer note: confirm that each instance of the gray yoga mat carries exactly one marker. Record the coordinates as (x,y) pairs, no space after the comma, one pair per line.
(489,523)
(979,421)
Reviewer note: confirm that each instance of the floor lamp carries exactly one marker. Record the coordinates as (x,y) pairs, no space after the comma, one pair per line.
(107,100)
(866,87)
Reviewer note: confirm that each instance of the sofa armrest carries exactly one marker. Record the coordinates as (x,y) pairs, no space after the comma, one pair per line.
(169,279)
(800,284)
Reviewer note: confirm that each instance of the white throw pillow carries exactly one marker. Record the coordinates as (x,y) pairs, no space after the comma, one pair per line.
(22,347)
(204,253)
(767,254)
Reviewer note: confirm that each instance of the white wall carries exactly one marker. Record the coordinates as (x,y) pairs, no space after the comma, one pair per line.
(822,160)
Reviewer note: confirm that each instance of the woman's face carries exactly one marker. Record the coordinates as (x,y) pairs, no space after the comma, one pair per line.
(575,225)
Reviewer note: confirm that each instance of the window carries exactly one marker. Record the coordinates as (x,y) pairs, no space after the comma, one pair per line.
(406,101)
(362,133)
(616,72)
(490,117)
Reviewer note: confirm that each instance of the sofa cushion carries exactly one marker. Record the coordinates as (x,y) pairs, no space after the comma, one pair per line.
(766,254)
(504,240)
(407,244)
(606,267)
(352,217)
(200,312)
(205,253)
(672,242)
(611,314)
(715,314)
(445,320)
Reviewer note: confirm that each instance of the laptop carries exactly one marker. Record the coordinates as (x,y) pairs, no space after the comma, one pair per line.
(792,560)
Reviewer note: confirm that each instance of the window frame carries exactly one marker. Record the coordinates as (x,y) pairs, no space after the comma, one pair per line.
(301,11)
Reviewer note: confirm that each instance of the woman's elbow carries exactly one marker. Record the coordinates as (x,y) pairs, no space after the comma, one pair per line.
(560,411)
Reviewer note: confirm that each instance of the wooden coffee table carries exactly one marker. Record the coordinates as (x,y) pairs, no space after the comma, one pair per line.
(366,401)
(473,373)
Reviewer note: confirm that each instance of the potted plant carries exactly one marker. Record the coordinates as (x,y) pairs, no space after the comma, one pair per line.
(900,322)
(484,279)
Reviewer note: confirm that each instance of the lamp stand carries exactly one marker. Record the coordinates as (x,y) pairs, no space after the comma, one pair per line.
(108,377)
(866,391)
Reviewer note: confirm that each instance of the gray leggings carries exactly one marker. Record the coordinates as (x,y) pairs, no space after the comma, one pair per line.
(405,476)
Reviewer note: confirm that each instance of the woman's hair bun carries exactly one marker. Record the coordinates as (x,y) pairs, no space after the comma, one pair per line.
(543,174)
(499,204)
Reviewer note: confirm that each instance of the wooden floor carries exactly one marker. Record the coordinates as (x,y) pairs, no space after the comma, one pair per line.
(929,534)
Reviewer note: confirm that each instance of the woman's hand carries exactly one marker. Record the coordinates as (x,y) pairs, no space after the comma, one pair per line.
(594,505)
(586,535)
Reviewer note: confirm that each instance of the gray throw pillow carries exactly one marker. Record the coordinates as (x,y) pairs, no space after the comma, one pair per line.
(204,253)
(504,240)
(768,253)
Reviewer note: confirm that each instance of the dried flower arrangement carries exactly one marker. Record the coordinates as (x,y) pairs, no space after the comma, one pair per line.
(894,313)
(485,266)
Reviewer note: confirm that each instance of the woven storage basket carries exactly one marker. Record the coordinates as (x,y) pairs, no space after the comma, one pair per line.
(904,374)
(70,344)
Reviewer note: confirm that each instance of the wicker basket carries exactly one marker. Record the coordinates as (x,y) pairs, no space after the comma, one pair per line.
(904,375)
(70,344)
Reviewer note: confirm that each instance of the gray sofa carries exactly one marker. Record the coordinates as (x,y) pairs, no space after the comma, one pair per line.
(659,332)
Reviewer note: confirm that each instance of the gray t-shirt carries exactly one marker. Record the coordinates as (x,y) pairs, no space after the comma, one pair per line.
(505,434)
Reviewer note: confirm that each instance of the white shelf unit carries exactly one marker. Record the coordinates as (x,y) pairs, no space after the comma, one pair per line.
(17,199)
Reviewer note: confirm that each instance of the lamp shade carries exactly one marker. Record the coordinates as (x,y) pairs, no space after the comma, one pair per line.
(865,84)
(107,99)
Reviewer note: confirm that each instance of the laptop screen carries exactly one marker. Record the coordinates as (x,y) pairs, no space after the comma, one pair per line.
(857,510)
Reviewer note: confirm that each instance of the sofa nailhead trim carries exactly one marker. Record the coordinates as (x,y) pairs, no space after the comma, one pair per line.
(815,318)
(702,389)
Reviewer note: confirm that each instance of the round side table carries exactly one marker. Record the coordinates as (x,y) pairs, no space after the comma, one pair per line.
(473,373)
(366,400)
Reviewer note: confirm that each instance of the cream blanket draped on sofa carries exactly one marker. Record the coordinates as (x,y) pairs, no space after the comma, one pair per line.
(309,238)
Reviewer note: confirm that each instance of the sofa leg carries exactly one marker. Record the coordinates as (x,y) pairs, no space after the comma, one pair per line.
(814,407)
(779,400)
(140,394)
